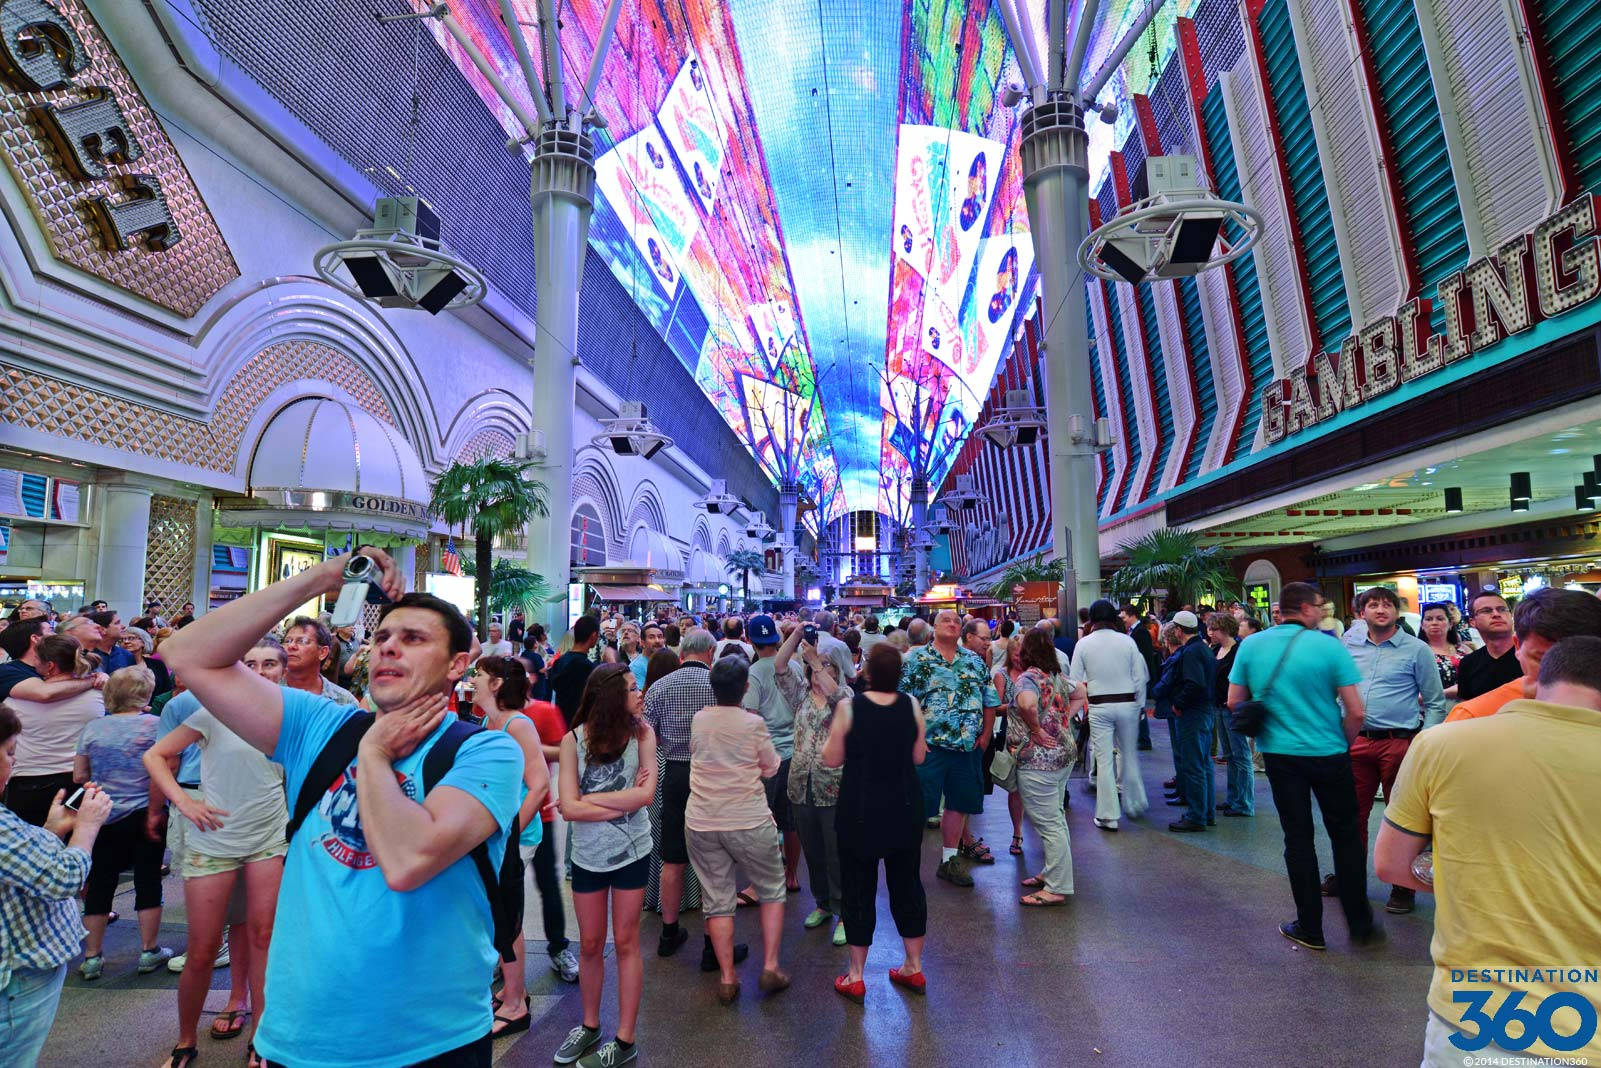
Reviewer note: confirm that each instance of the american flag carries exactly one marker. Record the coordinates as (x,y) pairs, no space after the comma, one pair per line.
(448,559)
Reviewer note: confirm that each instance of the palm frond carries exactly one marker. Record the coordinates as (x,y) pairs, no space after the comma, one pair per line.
(1177,564)
(1035,570)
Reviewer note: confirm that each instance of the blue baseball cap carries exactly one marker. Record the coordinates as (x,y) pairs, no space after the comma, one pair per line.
(761,630)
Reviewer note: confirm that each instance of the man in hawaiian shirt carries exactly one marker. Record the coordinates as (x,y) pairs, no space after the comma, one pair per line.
(959,705)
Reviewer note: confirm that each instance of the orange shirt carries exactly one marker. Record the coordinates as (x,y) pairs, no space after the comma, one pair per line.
(1488,704)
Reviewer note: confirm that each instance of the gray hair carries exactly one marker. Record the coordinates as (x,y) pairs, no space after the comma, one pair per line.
(697,640)
(919,632)
(824,619)
(143,636)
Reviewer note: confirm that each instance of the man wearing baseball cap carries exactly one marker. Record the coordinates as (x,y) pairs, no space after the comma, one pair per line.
(1192,705)
(774,692)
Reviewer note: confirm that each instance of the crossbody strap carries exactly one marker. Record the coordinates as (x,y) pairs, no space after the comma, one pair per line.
(1274,677)
(326,767)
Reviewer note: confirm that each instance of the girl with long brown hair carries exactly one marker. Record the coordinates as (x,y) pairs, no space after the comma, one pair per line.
(608,776)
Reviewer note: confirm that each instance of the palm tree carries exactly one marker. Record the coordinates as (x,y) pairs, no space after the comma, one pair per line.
(1177,562)
(491,497)
(511,586)
(1035,570)
(742,562)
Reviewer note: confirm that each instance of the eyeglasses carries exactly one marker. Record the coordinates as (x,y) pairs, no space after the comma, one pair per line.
(1498,610)
(298,641)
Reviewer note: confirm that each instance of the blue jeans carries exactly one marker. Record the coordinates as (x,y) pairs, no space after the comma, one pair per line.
(27,1009)
(1193,759)
(1242,776)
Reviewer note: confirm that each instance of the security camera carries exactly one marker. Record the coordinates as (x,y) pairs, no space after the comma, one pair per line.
(1011,94)
(595,119)
(1109,112)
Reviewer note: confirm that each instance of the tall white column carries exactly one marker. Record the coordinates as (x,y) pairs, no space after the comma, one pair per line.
(562,192)
(124,535)
(1055,184)
(200,584)
(406,559)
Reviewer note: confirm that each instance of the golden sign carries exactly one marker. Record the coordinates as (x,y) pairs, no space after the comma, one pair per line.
(108,188)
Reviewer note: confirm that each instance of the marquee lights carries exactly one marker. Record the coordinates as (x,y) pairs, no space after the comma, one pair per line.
(1535,276)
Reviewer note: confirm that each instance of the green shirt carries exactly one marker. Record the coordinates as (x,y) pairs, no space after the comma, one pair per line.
(1304,714)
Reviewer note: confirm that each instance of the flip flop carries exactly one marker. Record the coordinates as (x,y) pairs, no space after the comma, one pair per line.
(1035,900)
(182,1056)
(1016,848)
(746,901)
(233,1024)
(1034,882)
(513,1026)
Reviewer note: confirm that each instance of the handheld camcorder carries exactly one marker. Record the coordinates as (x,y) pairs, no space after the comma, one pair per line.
(361,587)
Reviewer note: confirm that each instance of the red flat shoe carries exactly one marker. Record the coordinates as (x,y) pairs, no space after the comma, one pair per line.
(916,982)
(856,991)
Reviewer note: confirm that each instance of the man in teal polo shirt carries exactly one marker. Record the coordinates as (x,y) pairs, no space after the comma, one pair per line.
(1304,678)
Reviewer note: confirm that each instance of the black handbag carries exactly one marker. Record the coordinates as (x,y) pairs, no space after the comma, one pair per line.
(1248,717)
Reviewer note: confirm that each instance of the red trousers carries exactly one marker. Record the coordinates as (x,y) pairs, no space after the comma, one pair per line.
(1374,761)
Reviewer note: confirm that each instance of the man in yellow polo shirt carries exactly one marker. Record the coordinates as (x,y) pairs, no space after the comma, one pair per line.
(1541,619)
(1510,803)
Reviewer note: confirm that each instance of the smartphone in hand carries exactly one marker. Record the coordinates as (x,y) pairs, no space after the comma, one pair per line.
(75,800)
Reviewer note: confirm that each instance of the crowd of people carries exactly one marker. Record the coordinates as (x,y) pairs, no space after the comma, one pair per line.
(317,791)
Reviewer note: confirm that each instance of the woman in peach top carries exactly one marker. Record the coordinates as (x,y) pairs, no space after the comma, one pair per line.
(727,821)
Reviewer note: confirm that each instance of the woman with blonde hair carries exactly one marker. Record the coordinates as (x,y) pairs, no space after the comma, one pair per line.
(111,752)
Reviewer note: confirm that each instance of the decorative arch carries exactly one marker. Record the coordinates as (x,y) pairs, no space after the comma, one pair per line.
(594,481)
(487,425)
(648,508)
(701,536)
(723,548)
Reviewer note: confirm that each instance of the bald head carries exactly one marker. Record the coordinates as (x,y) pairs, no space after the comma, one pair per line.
(919,632)
(697,645)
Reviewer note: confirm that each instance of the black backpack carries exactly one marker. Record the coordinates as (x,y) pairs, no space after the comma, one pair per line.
(505,887)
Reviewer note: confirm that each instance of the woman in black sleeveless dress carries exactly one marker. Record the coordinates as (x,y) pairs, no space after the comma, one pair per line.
(878,737)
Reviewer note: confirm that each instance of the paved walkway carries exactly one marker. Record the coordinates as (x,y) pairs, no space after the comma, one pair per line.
(1168,955)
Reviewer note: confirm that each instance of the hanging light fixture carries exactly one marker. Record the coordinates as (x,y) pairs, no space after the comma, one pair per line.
(631,433)
(1453,499)
(1583,499)
(1522,487)
(1020,422)
(718,501)
(963,496)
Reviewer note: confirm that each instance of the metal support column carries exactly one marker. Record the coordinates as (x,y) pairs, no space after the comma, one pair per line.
(919,526)
(788,532)
(1055,182)
(562,192)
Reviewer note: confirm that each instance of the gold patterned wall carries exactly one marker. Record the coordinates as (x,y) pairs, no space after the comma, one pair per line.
(488,442)
(181,277)
(40,402)
(170,558)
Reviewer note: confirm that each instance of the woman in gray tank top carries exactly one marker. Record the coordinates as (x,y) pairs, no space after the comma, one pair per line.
(608,777)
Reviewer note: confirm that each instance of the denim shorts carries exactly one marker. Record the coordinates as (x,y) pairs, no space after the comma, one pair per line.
(632,876)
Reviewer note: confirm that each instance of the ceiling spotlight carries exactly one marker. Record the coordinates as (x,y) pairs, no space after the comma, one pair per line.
(1522,488)
(1453,498)
(718,501)
(1020,422)
(1011,95)
(399,262)
(596,120)
(632,433)
(1172,233)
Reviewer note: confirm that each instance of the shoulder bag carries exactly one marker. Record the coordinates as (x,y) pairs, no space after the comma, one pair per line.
(1248,717)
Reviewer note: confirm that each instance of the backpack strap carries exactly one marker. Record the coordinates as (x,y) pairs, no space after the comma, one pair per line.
(435,766)
(329,764)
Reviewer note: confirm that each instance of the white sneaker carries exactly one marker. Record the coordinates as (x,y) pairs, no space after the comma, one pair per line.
(176,964)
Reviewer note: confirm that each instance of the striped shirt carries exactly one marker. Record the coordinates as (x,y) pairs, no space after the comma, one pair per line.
(40,919)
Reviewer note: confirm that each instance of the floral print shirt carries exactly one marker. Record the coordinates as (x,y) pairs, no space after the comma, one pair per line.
(810,781)
(954,695)
(1055,719)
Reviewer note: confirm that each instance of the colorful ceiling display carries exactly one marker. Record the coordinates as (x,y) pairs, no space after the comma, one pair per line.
(818,206)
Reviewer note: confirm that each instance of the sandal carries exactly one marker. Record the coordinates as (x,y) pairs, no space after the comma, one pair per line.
(978,852)
(1034,882)
(233,1024)
(746,900)
(183,1056)
(513,1026)
(1017,845)
(252,1058)
(1039,900)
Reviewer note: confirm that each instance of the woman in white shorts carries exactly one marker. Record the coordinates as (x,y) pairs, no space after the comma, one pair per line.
(236,831)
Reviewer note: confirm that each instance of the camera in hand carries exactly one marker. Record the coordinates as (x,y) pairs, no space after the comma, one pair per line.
(362,575)
(809,634)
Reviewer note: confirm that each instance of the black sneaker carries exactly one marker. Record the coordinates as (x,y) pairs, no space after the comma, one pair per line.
(671,939)
(1401,900)
(1186,826)
(708,955)
(580,1040)
(1292,931)
(611,1055)
(1329,888)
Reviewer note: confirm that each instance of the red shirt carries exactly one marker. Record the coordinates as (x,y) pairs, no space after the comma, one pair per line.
(551,726)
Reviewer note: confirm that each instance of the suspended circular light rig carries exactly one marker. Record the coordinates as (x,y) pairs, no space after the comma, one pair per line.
(963,496)
(757,527)
(718,501)
(1020,422)
(399,262)
(1175,232)
(631,433)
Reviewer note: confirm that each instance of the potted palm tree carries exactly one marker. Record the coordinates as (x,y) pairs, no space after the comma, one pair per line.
(742,562)
(490,497)
(1177,564)
(1034,570)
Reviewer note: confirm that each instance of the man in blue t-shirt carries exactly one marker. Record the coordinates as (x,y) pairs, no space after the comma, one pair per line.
(1305,680)
(383,951)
